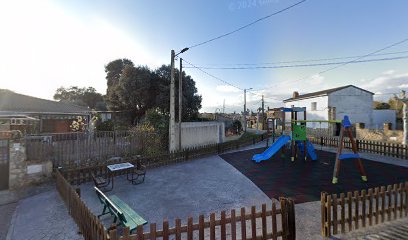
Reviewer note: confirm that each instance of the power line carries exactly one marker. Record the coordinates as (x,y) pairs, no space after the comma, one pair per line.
(346,63)
(294,61)
(305,65)
(222,80)
(209,74)
(247,25)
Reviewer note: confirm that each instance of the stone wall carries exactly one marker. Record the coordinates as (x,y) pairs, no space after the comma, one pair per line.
(23,173)
(385,134)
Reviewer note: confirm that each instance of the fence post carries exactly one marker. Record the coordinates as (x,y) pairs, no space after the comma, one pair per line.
(291,219)
(321,141)
(358,144)
(324,215)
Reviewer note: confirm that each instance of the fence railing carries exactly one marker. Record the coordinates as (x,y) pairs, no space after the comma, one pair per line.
(257,224)
(81,174)
(68,149)
(377,147)
(89,225)
(74,150)
(346,212)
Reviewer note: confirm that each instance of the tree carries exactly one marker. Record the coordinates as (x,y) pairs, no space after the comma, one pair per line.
(80,96)
(381,105)
(114,71)
(137,89)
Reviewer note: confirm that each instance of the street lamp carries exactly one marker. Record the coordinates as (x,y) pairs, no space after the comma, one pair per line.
(245,110)
(172,132)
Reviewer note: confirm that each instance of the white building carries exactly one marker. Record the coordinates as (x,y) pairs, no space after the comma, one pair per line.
(335,103)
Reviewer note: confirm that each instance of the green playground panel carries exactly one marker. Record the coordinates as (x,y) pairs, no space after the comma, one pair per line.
(299,132)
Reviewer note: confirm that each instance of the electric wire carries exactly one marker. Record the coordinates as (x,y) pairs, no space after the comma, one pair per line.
(305,65)
(247,25)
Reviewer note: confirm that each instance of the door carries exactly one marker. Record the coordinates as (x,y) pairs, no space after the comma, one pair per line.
(4,164)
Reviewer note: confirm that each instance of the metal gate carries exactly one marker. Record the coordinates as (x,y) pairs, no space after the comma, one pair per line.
(4,164)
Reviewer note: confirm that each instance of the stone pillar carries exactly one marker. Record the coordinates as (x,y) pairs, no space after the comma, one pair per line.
(387,127)
(23,173)
(18,164)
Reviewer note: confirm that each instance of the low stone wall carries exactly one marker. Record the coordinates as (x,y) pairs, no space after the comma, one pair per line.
(385,134)
(23,173)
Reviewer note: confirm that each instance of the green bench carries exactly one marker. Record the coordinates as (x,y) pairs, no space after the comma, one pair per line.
(120,210)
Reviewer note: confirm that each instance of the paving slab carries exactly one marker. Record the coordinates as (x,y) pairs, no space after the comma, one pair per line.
(43,216)
(200,186)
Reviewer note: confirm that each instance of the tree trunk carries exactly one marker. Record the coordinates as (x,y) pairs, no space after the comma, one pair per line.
(405,122)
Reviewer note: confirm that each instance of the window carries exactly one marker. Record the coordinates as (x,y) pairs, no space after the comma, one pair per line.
(313,106)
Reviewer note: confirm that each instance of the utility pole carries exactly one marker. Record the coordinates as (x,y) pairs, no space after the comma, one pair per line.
(180,101)
(404,99)
(245,109)
(245,121)
(172,125)
(263,113)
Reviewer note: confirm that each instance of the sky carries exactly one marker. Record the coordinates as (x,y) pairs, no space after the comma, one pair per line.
(48,44)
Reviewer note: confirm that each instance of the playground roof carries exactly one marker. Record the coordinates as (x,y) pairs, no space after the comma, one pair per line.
(323,93)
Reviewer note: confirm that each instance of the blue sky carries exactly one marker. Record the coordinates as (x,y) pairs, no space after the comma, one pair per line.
(49,44)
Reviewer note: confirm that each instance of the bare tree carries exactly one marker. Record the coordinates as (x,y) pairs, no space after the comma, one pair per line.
(404,99)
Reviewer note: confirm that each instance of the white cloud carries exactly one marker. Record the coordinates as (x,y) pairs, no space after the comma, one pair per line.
(386,84)
(316,79)
(227,89)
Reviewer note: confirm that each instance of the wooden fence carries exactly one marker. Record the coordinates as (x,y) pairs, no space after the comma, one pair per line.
(275,223)
(88,224)
(264,224)
(377,147)
(74,150)
(68,149)
(364,208)
(81,174)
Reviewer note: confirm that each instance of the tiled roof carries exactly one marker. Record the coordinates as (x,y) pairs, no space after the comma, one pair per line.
(323,92)
(19,103)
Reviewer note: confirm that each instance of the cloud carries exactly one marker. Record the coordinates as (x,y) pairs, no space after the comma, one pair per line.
(227,89)
(316,79)
(386,84)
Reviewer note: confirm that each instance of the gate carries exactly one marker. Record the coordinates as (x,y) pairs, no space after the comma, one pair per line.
(4,164)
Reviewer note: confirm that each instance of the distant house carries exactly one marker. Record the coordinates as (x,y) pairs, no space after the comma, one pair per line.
(36,115)
(333,104)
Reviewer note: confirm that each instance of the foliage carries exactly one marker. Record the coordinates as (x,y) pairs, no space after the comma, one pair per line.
(237,125)
(396,105)
(137,89)
(80,96)
(105,126)
(78,125)
(381,105)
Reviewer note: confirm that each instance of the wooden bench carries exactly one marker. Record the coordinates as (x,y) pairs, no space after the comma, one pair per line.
(139,171)
(120,210)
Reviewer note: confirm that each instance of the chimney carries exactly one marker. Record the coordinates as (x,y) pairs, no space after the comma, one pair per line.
(295,94)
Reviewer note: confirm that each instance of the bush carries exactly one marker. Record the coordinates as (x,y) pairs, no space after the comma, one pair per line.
(105,126)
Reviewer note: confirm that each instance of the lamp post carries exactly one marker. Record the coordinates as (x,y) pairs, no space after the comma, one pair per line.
(172,124)
(245,110)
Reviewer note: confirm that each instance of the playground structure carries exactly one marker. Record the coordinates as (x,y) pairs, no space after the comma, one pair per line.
(293,131)
(346,129)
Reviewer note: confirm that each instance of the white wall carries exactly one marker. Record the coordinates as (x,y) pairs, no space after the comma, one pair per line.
(321,112)
(195,134)
(355,103)
(384,116)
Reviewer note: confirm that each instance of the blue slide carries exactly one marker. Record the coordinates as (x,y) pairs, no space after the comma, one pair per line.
(268,153)
(310,150)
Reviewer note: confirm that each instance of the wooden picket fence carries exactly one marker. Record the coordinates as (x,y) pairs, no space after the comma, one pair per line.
(377,147)
(265,224)
(364,208)
(276,223)
(89,225)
